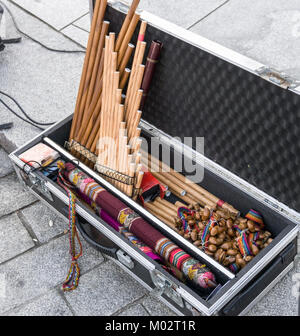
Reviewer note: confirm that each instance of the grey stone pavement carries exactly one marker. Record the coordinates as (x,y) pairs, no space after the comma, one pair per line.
(34,255)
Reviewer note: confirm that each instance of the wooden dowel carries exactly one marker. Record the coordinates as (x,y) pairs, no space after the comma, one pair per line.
(168,204)
(171,212)
(128,36)
(91,61)
(160,214)
(138,184)
(126,58)
(126,23)
(95,20)
(124,78)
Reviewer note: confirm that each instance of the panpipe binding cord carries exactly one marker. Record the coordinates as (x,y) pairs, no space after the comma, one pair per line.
(72,279)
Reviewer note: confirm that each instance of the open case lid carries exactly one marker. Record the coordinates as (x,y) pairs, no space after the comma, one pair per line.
(251,125)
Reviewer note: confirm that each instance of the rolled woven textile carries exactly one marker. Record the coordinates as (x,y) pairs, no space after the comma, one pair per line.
(196,272)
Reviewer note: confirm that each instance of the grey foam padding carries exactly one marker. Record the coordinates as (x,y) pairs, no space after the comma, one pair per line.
(251,127)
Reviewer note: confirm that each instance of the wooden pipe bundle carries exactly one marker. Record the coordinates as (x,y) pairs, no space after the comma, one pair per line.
(179,184)
(85,125)
(119,141)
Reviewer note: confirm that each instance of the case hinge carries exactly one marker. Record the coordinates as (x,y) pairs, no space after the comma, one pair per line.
(278,77)
(165,286)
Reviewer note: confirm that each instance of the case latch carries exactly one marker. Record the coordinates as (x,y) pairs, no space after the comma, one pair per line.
(125,259)
(40,185)
(278,77)
(165,286)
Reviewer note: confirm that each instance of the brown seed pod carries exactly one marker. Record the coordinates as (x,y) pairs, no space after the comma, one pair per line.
(206,214)
(269,241)
(219,241)
(187,236)
(209,253)
(201,226)
(243,220)
(222,235)
(197,216)
(231,259)
(222,257)
(221,229)
(197,243)
(259,243)
(240,261)
(229,223)
(181,232)
(248,258)
(251,226)
(214,231)
(212,248)
(232,252)
(194,235)
(230,232)
(213,240)
(218,253)
(255,249)
(222,222)
(217,216)
(226,246)
(191,222)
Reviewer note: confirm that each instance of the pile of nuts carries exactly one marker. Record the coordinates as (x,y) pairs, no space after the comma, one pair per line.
(222,244)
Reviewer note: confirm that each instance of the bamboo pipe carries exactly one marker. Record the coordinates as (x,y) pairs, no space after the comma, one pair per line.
(160,214)
(126,58)
(126,23)
(124,78)
(128,36)
(98,66)
(170,184)
(91,61)
(85,66)
(168,204)
(165,208)
(180,204)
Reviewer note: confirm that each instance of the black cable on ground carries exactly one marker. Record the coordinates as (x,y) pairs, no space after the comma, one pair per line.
(33,39)
(22,110)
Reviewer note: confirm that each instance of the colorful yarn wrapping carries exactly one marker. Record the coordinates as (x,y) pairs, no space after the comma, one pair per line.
(256,217)
(206,232)
(139,244)
(72,279)
(243,244)
(199,274)
(252,238)
(183,213)
(234,268)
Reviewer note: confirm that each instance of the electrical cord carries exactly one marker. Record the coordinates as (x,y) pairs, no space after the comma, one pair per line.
(22,110)
(17,115)
(33,39)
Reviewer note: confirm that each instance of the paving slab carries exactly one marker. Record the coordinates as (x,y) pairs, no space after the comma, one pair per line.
(103,291)
(5,164)
(51,304)
(37,271)
(14,238)
(84,22)
(182,12)
(12,195)
(280,301)
(156,307)
(76,34)
(56,13)
(136,310)
(45,83)
(267,31)
(44,222)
